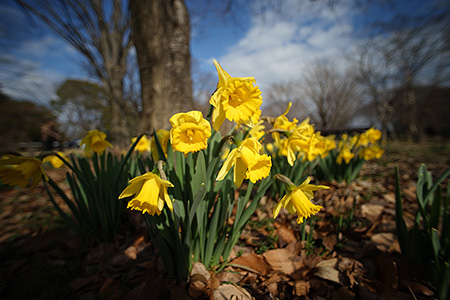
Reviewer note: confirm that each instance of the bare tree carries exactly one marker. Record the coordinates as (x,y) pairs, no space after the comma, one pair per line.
(404,53)
(161,32)
(278,96)
(100,31)
(332,98)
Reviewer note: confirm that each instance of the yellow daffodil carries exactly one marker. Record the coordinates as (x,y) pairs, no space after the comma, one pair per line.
(324,144)
(373,135)
(163,138)
(225,152)
(297,200)
(257,130)
(269,148)
(282,123)
(371,152)
(143,145)
(18,170)
(149,193)
(235,99)
(189,132)
(95,141)
(247,162)
(301,139)
(54,160)
(344,154)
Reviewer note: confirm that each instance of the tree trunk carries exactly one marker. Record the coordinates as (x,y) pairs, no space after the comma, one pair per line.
(161,33)
(118,129)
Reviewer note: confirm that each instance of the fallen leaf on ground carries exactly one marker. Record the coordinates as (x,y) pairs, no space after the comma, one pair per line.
(231,291)
(283,260)
(326,270)
(253,262)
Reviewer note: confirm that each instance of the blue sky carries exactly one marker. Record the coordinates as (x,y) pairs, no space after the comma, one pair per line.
(272,49)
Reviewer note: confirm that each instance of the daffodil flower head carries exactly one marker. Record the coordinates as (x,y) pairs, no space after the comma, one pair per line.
(373,135)
(54,160)
(149,194)
(95,141)
(371,152)
(189,132)
(236,99)
(143,145)
(18,170)
(163,138)
(345,154)
(298,200)
(257,130)
(301,139)
(282,122)
(247,161)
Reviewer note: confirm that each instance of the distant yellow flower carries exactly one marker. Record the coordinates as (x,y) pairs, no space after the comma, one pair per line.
(282,123)
(297,200)
(149,193)
(324,144)
(18,170)
(257,130)
(189,132)
(247,162)
(54,160)
(236,99)
(269,147)
(344,154)
(301,139)
(371,152)
(143,145)
(163,138)
(373,135)
(95,141)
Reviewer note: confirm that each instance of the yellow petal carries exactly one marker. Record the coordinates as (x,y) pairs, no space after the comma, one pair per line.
(259,170)
(229,162)
(239,172)
(131,190)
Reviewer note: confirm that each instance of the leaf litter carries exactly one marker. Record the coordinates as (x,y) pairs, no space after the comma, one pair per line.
(362,261)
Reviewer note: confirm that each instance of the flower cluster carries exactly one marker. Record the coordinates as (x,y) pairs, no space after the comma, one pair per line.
(299,140)
(365,146)
(238,100)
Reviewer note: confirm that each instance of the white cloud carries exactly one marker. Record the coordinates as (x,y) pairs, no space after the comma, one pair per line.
(279,49)
(35,69)
(24,79)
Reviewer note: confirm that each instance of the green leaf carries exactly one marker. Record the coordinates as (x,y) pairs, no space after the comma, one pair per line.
(197,199)
(435,212)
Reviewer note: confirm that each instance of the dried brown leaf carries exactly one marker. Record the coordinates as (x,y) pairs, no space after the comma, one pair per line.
(231,292)
(252,262)
(326,270)
(282,260)
(384,240)
(285,234)
(372,211)
(329,242)
(201,281)
(301,288)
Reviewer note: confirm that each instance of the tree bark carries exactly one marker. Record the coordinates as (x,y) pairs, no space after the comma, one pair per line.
(161,32)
